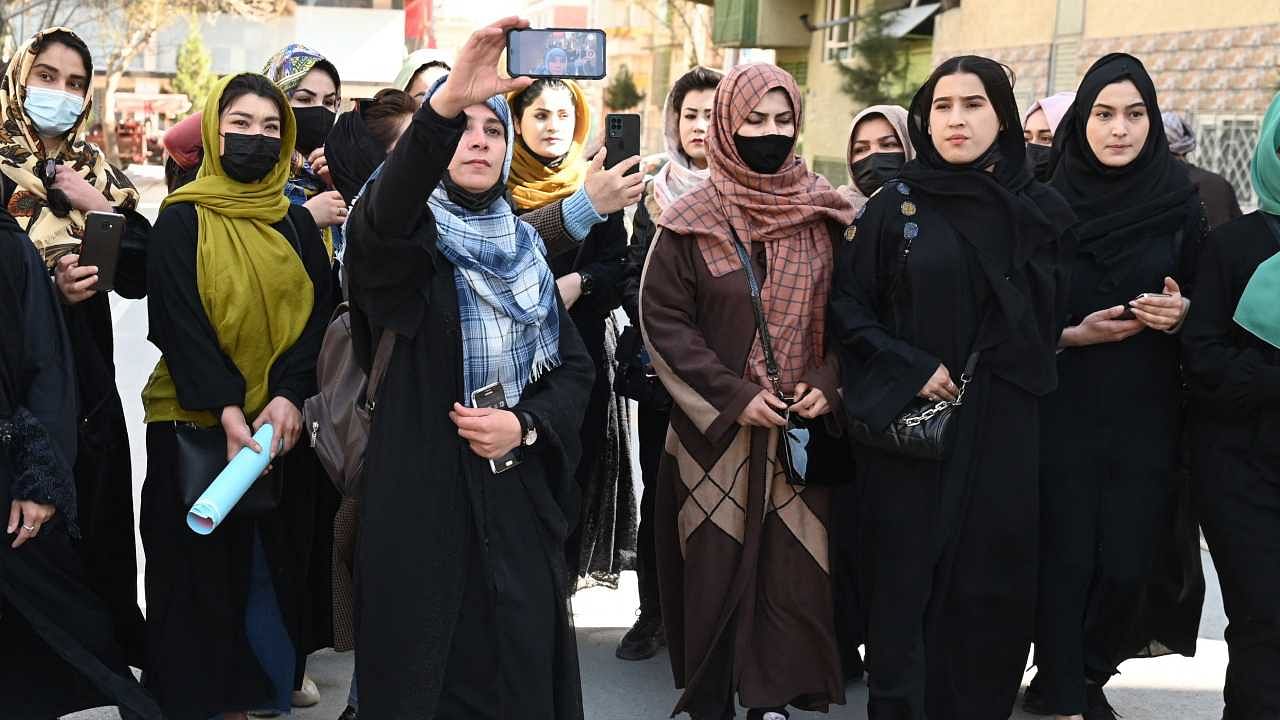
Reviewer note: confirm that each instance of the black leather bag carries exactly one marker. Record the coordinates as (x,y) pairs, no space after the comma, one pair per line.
(635,378)
(922,429)
(202,454)
(793,445)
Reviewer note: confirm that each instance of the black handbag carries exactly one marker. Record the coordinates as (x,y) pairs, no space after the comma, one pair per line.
(793,445)
(921,430)
(634,377)
(202,454)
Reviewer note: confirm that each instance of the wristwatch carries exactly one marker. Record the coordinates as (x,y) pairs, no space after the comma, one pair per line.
(528,428)
(588,283)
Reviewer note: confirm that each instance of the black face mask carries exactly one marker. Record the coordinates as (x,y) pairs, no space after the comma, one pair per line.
(764,154)
(473,201)
(1038,160)
(248,158)
(876,169)
(314,124)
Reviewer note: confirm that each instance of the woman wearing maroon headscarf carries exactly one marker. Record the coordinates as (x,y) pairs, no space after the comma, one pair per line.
(742,553)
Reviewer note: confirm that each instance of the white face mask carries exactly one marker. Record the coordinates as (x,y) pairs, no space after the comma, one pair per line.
(52,111)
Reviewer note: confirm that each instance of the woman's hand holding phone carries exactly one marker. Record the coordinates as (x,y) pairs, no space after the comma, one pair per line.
(1162,311)
(1104,326)
(475,78)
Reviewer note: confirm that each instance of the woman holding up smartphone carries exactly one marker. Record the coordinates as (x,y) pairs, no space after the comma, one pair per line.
(52,178)
(742,553)
(549,168)
(1109,471)
(239,303)
(462,590)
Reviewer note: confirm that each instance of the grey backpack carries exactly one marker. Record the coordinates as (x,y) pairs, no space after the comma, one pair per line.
(339,416)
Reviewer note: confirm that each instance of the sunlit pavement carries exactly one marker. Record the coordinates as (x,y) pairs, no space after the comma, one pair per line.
(1170,688)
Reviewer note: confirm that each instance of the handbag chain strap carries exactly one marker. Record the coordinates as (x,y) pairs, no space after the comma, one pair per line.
(928,413)
(766,342)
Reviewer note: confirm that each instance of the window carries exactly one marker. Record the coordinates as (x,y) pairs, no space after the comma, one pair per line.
(839,38)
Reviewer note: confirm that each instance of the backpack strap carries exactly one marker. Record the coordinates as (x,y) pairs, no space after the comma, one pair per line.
(381,361)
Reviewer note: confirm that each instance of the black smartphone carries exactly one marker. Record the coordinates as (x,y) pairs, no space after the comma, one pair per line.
(1128,307)
(101,246)
(621,139)
(577,54)
(493,396)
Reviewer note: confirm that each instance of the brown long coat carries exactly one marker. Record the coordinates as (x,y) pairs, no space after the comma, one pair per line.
(742,555)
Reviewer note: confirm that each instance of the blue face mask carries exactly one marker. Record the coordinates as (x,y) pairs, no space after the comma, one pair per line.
(52,111)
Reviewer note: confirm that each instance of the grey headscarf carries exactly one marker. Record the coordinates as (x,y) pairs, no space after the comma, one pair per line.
(1182,138)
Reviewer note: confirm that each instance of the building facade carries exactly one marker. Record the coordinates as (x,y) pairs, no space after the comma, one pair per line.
(1216,62)
(811,39)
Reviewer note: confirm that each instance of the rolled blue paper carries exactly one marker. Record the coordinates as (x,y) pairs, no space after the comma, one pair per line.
(231,484)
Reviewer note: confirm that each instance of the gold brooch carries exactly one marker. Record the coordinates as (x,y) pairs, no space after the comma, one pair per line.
(850,232)
(908,208)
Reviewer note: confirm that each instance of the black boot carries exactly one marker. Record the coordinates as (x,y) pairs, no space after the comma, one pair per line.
(348,714)
(644,639)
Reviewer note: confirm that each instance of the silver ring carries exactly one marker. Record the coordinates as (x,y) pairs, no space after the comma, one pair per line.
(29,528)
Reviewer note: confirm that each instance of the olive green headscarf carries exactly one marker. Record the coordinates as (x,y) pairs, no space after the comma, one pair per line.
(1259,308)
(253,285)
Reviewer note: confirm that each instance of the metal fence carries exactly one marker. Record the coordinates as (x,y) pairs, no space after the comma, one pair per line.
(1225,145)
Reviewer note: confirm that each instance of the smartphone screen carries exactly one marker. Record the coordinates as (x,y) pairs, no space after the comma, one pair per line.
(556,53)
(493,396)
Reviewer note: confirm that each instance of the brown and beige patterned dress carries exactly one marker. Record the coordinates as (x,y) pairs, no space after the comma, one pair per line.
(742,555)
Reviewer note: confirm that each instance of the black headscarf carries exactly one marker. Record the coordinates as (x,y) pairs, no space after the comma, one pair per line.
(1016,225)
(352,152)
(1149,192)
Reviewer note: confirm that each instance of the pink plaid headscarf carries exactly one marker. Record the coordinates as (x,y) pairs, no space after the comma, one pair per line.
(788,211)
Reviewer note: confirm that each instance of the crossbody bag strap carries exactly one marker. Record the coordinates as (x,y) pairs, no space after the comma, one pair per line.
(381,361)
(766,341)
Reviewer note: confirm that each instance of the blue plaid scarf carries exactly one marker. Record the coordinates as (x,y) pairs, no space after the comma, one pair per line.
(506,295)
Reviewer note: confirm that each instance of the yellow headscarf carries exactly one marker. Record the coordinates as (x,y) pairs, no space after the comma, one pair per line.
(532,183)
(22,150)
(253,285)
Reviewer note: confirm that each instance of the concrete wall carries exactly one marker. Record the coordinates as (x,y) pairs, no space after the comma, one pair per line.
(995,23)
(1117,18)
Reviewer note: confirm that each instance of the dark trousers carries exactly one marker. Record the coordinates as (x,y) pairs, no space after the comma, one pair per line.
(1239,503)
(652,429)
(1100,527)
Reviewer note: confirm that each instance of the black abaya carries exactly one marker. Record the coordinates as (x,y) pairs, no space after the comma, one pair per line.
(1235,384)
(60,651)
(946,261)
(1112,493)
(461,595)
(948,550)
(104,476)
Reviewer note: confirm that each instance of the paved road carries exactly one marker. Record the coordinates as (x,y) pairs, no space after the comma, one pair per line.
(1172,688)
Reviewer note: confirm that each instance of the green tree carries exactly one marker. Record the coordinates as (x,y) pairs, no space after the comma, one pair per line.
(194,77)
(881,62)
(622,93)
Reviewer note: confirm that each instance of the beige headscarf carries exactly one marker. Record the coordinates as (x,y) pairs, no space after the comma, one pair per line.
(22,150)
(897,117)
